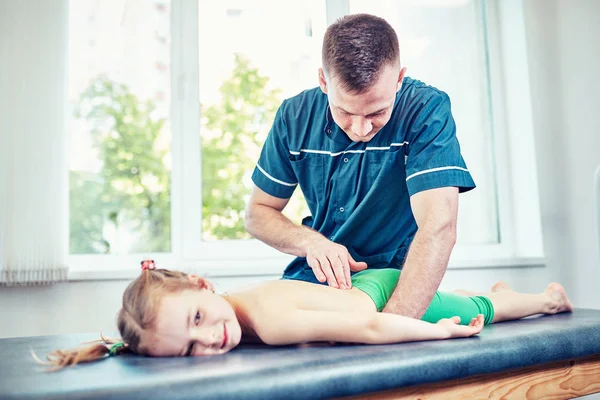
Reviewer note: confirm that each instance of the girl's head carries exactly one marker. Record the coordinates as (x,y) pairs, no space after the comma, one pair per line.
(166,313)
(170,313)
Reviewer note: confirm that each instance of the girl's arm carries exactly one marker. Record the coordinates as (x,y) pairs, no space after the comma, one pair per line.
(300,326)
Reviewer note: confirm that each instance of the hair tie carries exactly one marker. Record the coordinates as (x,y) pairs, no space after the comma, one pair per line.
(114,348)
(148,264)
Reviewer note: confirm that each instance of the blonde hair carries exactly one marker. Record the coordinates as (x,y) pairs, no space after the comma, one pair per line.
(141,300)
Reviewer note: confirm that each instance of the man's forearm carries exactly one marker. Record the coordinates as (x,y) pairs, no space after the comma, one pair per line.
(423,271)
(275,229)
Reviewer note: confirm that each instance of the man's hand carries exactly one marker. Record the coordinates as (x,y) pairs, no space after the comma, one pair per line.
(331,262)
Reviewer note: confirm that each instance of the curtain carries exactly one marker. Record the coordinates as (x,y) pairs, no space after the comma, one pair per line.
(33,147)
(597,195)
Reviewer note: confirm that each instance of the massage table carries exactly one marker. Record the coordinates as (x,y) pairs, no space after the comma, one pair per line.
(538,357)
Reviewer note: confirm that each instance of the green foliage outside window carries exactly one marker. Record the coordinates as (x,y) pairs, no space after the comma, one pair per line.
(133,185)
(236,128)
(132,188)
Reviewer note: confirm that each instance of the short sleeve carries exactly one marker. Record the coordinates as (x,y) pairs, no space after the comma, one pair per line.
(273,173)
(433,154)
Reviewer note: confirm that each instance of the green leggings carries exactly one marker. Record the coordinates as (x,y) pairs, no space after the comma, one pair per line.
(379,284)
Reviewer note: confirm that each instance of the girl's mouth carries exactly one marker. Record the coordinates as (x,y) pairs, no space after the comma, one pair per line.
(225,336)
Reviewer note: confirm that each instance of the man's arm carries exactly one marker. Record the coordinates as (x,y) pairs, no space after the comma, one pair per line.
(435,212)
(329,261)
(264,220)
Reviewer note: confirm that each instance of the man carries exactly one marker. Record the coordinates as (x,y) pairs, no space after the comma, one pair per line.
(376,156)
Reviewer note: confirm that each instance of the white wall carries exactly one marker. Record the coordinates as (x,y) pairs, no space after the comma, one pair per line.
(564,60)
(564,57)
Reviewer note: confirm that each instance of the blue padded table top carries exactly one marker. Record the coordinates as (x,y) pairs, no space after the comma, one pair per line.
(297,372)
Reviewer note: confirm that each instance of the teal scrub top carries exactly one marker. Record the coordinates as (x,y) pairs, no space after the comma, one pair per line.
(359,193)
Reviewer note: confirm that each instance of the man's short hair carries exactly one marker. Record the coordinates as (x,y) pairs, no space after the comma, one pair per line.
(356,48)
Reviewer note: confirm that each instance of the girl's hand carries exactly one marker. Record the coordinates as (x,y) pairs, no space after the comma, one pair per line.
(453,330)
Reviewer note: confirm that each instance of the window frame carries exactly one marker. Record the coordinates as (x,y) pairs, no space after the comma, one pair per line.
(519,221)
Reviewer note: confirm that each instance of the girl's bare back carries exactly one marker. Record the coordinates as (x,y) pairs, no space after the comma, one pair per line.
(262,303)
(306,296)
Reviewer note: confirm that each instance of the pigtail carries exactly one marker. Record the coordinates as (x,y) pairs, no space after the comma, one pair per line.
(95,350)
(135,317)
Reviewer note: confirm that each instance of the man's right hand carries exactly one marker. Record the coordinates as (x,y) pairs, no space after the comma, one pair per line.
(332,262)
(329,261)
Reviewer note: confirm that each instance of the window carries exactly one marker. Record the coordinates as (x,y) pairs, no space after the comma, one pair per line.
(244,76)
(119,92)
(173,100)
(442,43)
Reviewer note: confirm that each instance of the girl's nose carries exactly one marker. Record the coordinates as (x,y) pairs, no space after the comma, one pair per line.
(207,336)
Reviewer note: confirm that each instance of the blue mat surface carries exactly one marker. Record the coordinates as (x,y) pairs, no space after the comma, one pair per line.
(297,372)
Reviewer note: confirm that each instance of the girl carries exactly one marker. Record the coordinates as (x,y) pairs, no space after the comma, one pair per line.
(169,313)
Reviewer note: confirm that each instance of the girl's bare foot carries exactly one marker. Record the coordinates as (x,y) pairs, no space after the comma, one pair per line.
(500,286)
(559,300)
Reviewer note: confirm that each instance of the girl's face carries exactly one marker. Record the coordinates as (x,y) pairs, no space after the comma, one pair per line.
(194,322)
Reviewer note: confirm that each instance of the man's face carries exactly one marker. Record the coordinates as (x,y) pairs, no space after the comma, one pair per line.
(362,115)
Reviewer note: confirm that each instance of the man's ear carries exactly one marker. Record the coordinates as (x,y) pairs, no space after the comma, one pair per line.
(322,81)
(401,78)
(202,283)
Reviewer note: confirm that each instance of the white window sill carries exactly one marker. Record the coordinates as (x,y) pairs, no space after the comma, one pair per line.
(269,267)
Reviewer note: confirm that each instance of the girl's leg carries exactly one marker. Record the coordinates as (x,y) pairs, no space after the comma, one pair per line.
(499,286)
(447,305)
(502,304)
(509,305)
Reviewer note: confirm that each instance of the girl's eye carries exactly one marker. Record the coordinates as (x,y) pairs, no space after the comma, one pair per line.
(197,319)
